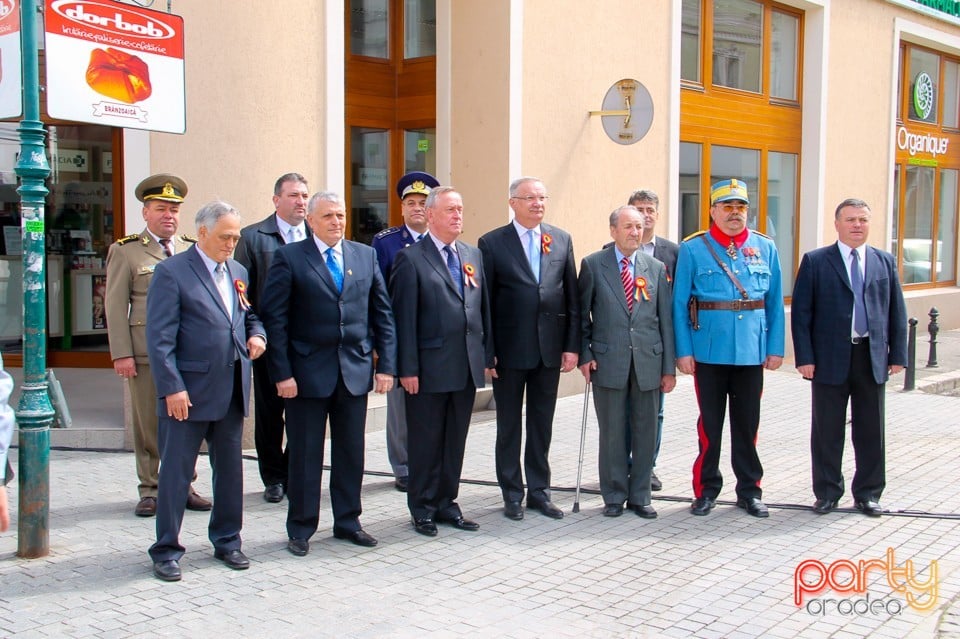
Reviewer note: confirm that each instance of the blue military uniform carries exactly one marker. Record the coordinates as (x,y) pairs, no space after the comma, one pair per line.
(730,340)
(742,337)
(388,242)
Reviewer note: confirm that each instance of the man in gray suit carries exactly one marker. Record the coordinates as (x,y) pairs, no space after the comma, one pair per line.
(201,338)
(627,351)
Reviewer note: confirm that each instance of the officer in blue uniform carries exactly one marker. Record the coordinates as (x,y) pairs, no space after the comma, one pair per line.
(729,325)
(413,189)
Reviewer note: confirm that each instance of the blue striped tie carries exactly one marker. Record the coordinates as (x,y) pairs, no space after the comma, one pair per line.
(454,267)
(335,270)
(859,309)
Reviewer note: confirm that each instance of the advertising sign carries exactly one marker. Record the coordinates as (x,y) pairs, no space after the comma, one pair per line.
(114,64)
(11,72)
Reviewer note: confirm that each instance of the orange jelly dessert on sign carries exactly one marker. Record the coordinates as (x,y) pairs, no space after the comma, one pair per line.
(119,75)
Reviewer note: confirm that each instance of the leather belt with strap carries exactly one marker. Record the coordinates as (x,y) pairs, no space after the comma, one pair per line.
(735,305)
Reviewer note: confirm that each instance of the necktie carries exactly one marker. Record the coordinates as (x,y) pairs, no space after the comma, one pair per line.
(533,254)
(220,279)
(453,266)
(859,309)
(627,278)
(292,235)
(165,243)
(335,270)
(419,237)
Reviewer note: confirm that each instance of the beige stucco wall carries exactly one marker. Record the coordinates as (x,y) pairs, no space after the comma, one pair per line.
(255,108)
(570,58)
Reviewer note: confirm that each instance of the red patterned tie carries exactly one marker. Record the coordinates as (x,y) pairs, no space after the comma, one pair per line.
(627,278)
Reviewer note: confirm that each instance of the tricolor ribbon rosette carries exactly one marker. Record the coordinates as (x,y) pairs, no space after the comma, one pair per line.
(545,242)
(242,294)
(641,290)
(470,275)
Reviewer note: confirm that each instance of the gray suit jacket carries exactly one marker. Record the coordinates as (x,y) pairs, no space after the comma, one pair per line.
(193,343)
(614,337)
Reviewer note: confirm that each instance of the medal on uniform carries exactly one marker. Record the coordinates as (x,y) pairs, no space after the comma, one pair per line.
(732,250)
(640,290)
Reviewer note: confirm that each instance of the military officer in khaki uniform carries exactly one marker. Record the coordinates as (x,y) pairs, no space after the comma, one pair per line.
(130,264)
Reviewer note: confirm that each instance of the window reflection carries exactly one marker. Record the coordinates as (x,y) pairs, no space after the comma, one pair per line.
(369,32)
(737,44)
(420,28)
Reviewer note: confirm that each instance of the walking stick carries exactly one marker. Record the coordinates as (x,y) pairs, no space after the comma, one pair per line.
(583,434)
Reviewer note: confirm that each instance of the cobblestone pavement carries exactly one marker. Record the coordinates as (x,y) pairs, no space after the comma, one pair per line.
(724,575)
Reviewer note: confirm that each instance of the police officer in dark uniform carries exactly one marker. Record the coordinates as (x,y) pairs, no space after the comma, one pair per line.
(727,336)
(413,189)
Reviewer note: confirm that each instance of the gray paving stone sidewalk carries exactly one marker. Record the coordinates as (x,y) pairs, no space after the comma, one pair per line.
(725,575)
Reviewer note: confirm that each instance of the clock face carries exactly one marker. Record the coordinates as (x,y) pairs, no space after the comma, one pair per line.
(923,98)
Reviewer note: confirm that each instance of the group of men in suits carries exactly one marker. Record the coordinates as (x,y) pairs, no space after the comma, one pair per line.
(443,315)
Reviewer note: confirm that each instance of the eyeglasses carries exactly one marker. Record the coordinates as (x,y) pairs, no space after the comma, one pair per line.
(733,208)
(533,198)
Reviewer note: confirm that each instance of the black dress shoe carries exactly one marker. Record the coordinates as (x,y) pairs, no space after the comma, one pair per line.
(513,510)
(298,547)
(146,507)
(823,506)
(646,511)
(702,506)
(233,558)
(196,502)
(401,483)
(612,510)
(869,508)
(358,537)
(168,570)
(547,508)
(655,483)
(425,527)
(461,523)
(753,506)
(273,493)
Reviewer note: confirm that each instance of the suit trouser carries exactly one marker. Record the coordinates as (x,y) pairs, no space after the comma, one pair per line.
(541,386)
(743,385)
(828,431)
(656,449)
(617,410)
(306,430)
(179,446)
(268,426)
(437,425)
(397,430)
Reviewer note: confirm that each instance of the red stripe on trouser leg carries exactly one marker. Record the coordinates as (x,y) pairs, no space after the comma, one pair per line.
(704,445)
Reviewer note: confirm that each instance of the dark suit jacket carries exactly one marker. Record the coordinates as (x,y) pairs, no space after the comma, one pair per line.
(615,337)
(442,338)
(822,312)
(258,242)
(531,321)
(666,251)
(192,343)
(317,334)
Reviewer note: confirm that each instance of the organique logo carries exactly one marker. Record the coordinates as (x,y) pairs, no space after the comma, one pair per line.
(923,95)
(845,576)
(112,19)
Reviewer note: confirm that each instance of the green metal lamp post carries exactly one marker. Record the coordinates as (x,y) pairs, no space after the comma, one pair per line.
(34,412)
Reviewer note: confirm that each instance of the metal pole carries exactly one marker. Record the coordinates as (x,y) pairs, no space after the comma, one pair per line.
(34,412)
(933,328)
(583,434)
(910,375)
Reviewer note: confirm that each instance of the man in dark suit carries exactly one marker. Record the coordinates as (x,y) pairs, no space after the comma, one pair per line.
(849,326)
(443,331)
(532,284)
(648,203)
(326,311)
(413,189)
(255,251)
(627,351)
(201,338)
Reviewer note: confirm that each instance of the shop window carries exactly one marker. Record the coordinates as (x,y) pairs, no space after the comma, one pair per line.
(946,255)
(737,44)
(924,80)
(918,226)
(369,32)
(951,94)
(419,28)
(79,222)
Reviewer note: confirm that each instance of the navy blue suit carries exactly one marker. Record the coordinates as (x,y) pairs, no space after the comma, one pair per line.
(821,318)
(325,340)
(195,346)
